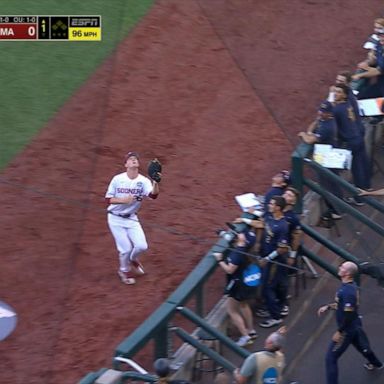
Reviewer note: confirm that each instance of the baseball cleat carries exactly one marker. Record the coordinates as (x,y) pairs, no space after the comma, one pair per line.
(124,277)
(138,267)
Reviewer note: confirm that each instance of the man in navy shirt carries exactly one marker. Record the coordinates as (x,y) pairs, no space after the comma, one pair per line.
(375,72)
(274,250)
(324,131)
(349,325)
(280,181)
(350,135)
(345,78)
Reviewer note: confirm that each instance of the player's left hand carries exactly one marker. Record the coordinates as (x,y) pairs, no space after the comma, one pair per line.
(154,170)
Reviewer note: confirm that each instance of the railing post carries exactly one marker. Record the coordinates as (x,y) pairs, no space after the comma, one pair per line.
(199,297)
(301,151)
(161,340)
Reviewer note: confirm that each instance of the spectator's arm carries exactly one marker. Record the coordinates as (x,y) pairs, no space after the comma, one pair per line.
(228,268)
(239,379)
(308,137)
(378,192)
(296,238)
(312,127)
(363,65)
(370,72)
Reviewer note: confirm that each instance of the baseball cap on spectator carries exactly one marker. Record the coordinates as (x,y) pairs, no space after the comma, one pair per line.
(131,154)
(326,106)
(286,176)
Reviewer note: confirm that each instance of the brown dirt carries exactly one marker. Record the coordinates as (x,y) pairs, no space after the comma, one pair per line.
(212,89)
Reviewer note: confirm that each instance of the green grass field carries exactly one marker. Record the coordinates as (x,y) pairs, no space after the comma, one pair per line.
(38,77)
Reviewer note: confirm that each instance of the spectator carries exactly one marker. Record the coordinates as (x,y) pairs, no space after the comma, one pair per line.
(324,131)
(294,238)
(163,370)
(350,329)
(265,366)
(274,250)
(294,227)
(238,307)
(280,181)
(368,87)
(364,87)
(372,41)
(374,72)
(349,135)
(345,78)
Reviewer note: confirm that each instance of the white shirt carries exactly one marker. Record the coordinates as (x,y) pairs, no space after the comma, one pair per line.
(122,186)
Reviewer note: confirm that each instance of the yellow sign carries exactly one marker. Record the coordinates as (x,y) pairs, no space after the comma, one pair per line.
(85,34)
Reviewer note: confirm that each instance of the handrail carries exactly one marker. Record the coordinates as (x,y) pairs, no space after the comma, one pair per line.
(186,337)
(319,261)
(132,364)
(213,331)
(329,244)
(349,187)
(354,212)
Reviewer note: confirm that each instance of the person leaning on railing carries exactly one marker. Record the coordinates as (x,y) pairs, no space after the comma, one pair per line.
(238,307)
(324,131)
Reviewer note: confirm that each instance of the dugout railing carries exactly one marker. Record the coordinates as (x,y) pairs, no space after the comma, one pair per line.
(159,328)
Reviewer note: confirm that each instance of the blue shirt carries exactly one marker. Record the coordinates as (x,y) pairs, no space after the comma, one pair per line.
(293,223)
(380,65)
(326,132)
(347,299)
(353,101)
(347,128)
(237,257)
(275,234)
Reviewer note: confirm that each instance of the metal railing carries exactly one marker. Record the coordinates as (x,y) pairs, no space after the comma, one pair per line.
(158,326)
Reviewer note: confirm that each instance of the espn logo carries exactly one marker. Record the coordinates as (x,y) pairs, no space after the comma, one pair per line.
(84,21)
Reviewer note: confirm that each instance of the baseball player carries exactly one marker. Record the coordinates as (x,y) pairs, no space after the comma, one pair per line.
(124,196)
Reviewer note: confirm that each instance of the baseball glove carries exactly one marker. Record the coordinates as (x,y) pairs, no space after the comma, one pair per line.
(154,170)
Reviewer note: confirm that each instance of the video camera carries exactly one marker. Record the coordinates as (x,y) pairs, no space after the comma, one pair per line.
(231,233)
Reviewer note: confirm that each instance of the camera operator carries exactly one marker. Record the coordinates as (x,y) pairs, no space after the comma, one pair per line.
(238,293)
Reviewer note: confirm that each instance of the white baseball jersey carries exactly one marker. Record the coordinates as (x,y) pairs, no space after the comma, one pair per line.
(122,186)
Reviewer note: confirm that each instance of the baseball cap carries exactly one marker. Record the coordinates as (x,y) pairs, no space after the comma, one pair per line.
(286,176)
(131,154)
(326,106)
